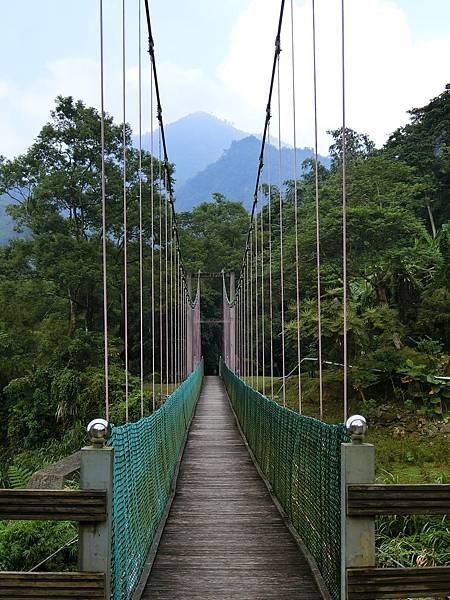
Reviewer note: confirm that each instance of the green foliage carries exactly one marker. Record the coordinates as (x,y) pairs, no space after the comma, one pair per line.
(24,544)
(413,541)
(433,392)
(51,309)
(18,476)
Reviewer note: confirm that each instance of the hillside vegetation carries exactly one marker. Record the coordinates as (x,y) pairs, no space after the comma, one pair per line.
(51,374)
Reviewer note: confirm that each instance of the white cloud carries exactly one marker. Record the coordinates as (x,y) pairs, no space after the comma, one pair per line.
(24,110)
(387,72)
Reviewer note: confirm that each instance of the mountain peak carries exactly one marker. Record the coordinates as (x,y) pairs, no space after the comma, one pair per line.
(197,140)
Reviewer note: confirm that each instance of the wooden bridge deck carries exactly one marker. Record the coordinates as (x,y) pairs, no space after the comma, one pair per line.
(224,538)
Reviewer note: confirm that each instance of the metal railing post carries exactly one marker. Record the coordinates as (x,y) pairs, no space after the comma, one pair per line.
(96,473)
(357,533)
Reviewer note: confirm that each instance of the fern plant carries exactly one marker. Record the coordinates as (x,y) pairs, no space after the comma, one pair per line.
(18,476)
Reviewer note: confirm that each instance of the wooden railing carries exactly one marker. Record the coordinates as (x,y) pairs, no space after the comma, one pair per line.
(84,506)
(362,501)
(91,508)
(54,586)
(376,500)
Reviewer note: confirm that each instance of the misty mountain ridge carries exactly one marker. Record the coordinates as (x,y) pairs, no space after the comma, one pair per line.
(234,174)
(7,223)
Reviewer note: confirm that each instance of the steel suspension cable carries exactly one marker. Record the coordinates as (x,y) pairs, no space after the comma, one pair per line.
(141,243)
(256,303)
(344,214)
(166,285)
(270,265)
(172,305)
(103,194)
(238,333)
(316,177)
(152,216)
(185,316)
(242,363)
(244,325)
(249,330)
(252,345)
(263,337)
(297,256)
(161,349)
(176,332)
(180,321)
(125,216)
(283,350)
(183,333)
(243,332)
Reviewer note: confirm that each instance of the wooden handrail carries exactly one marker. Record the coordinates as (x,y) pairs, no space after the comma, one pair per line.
(374,584)
(60,586)
(84,506)
(376,499)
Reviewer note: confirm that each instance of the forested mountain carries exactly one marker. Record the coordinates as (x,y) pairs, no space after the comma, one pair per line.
(6,222)
(194,142)
(234,173)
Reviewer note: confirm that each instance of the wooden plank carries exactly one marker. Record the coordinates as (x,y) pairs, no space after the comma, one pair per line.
(57,586)
(377,499)
(224,539)
(85,506)
(377,584)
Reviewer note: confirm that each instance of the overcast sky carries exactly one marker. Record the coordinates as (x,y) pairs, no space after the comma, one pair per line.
(215,56)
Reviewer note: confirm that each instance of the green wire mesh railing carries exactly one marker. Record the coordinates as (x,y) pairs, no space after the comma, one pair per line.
(300,457)
(145,458)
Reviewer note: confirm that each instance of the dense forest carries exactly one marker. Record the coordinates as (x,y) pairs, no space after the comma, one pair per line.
(51,323)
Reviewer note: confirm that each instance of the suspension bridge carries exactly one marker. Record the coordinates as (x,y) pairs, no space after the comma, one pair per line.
(220,490)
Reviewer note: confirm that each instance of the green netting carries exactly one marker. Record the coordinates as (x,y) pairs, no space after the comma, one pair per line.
(300,457)
(145,457)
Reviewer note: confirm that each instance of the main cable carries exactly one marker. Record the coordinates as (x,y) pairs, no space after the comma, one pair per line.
(166,162)
(263,142)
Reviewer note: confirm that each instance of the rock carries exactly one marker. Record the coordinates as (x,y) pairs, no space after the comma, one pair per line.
(398,432)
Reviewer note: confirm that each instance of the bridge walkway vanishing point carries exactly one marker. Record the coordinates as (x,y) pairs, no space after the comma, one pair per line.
(224,537)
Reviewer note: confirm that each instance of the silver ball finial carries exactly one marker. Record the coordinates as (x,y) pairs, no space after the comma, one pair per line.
(99,431)
(357,426)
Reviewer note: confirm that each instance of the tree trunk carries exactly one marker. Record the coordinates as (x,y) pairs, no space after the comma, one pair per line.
(382,294)
(72,317)
(430,214)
